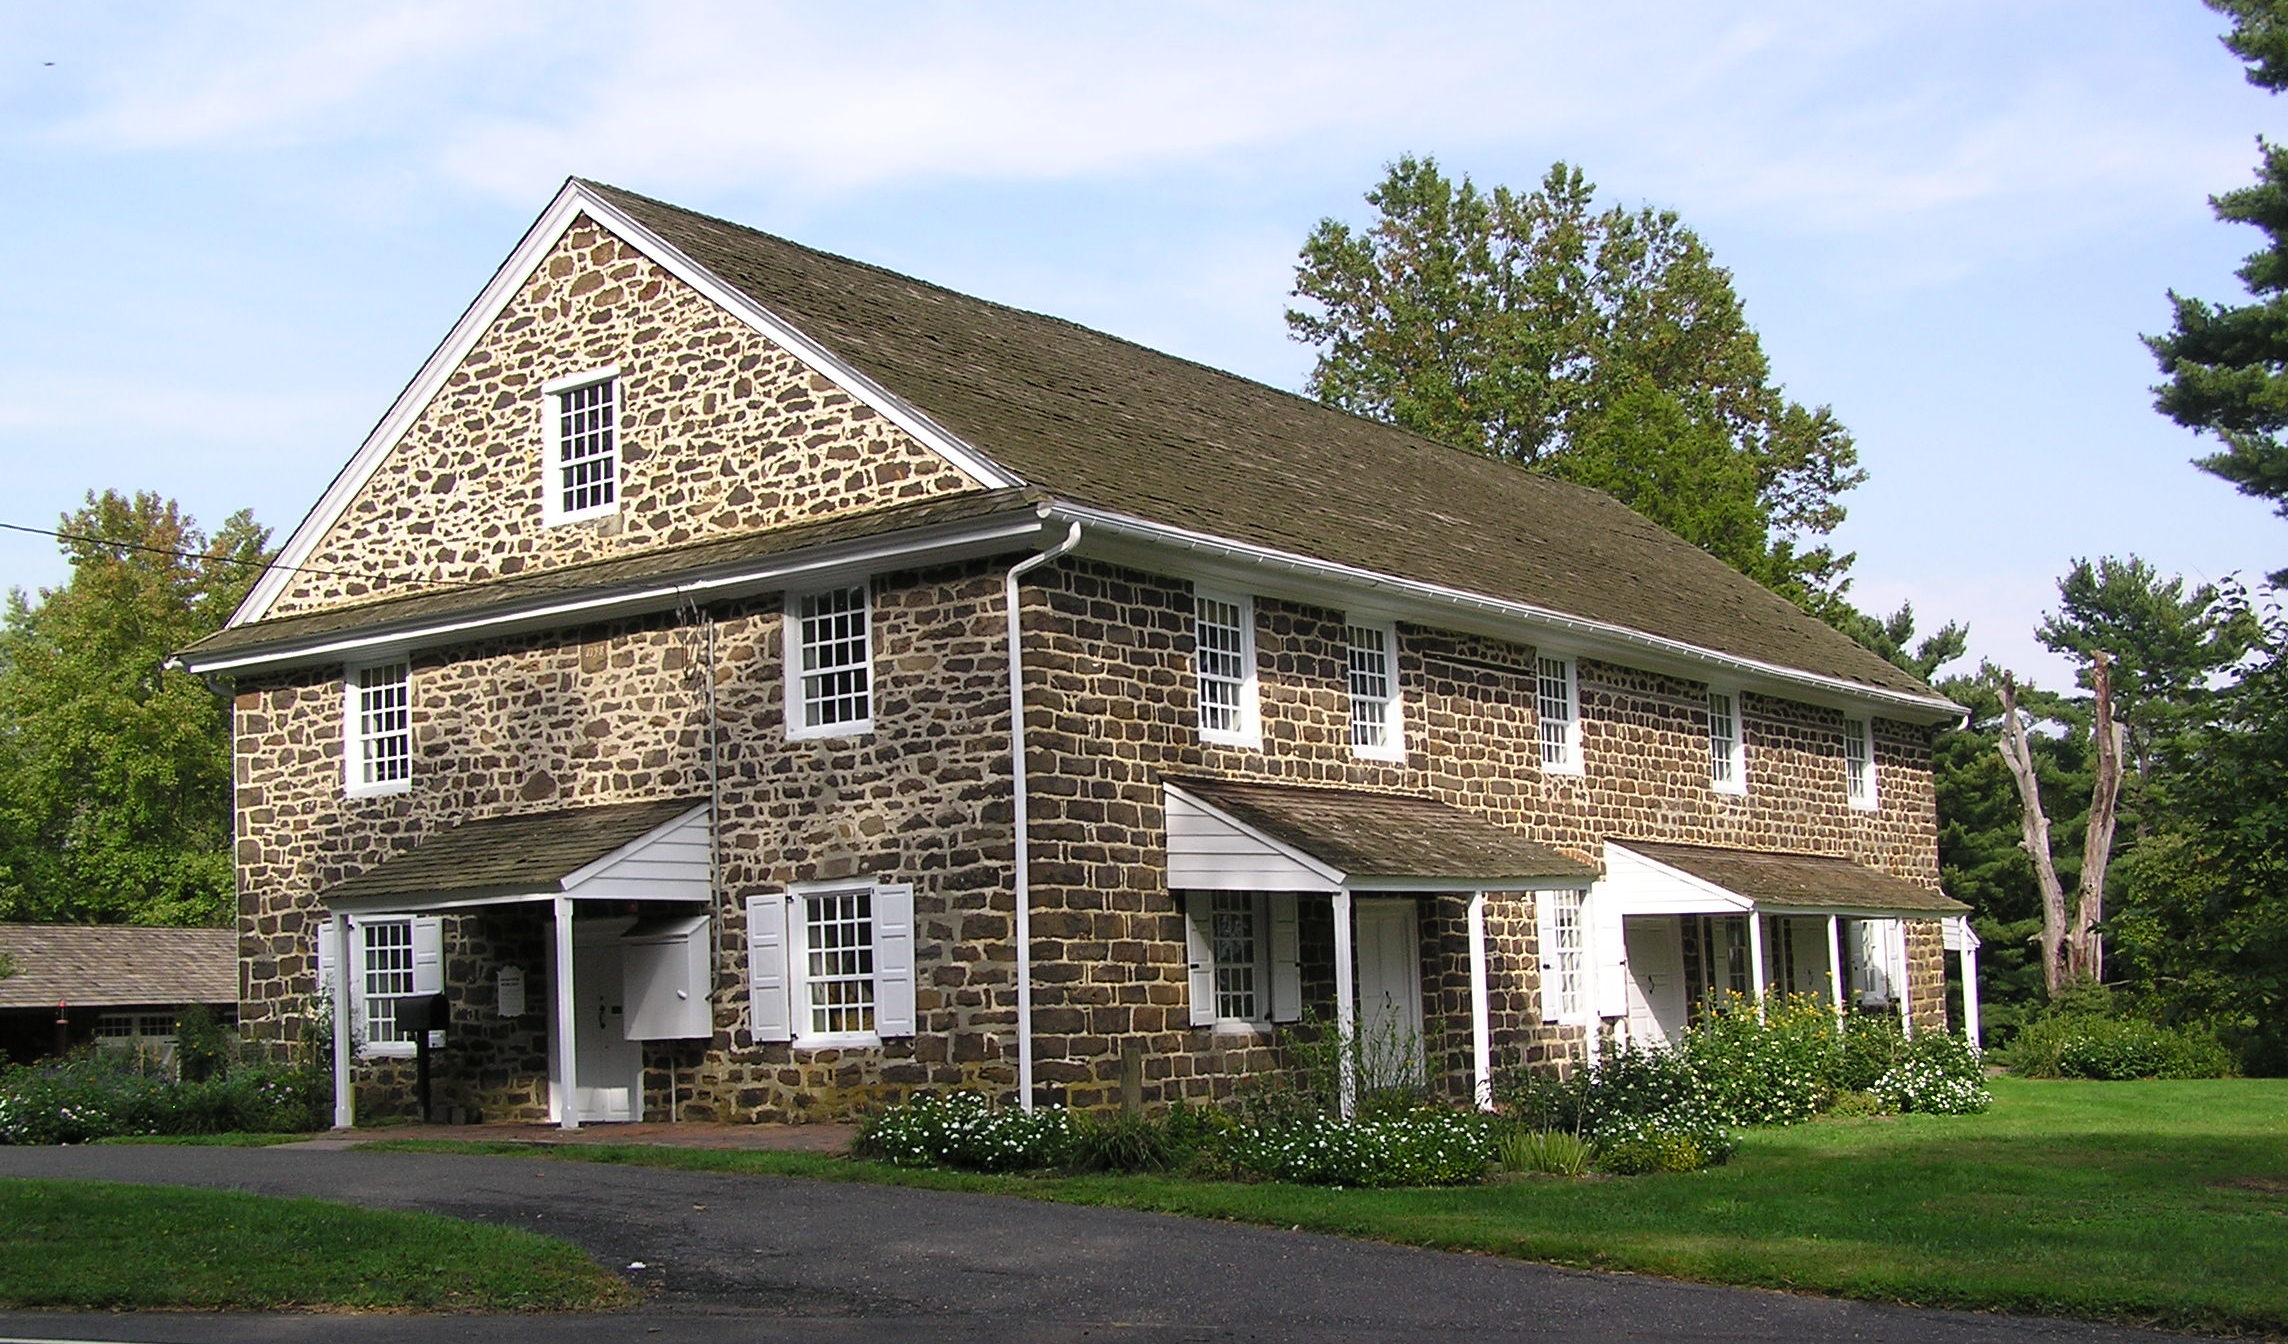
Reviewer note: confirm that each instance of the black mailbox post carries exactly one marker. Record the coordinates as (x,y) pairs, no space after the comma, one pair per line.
(421,1016)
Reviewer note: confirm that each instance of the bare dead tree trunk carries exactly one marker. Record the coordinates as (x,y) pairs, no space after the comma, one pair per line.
(2085,950)
(2036,837)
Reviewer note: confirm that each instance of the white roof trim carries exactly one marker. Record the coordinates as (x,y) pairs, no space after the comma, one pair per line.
(1409,597)
(573,200)
(1333,876)
(820,564)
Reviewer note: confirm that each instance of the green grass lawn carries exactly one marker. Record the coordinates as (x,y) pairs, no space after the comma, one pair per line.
(93,1244)
(2162,1203)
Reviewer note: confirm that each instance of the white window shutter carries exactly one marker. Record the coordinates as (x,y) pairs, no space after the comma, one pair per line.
(329,957)
(771,1009)
(894,960)
(428,955)
(1201,954)
(1608,955)
(1286,959)
(1545,938)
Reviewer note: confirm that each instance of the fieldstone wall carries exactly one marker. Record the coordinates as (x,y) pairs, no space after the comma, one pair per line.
(1926,975)
(619,713)
(1113,709)
(721,431)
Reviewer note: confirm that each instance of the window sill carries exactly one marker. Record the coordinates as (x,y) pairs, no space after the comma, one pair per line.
(1865,805)
(550,518)
(395,786)
(1570,768)
(855,728)
(1244,741)
(1237,1026)
(1393,755)
(1728,790)
(851,1040)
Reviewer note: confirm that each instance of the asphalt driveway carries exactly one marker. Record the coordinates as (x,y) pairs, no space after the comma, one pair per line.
(738,1257)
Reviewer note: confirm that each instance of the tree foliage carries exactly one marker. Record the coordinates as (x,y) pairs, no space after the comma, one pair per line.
(2226,365)
(1606,347)
(115,772)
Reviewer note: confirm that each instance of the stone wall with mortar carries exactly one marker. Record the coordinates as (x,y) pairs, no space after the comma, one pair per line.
(1114,709)
(619,713)
(721,432)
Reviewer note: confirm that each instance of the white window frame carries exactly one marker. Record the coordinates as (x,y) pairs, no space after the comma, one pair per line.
(798,940)
(552,394)
(798,702)
(1727,754)
(1249,731)
(423,971)
(357,744)
(1390,708)
(1277,964)
(1860,791)
(1567,742)
(1558,1004)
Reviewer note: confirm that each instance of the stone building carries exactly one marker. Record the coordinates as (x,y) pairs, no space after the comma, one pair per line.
(737,682)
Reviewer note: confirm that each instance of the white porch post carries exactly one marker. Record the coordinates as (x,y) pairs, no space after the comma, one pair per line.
(1481,1009)
(1905,990)
(1835,963)
(345,1102)
(1970,985)
(568,1083)
(1346,1002)
(1756,958)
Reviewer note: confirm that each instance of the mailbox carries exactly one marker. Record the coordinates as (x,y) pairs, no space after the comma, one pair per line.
(669,978)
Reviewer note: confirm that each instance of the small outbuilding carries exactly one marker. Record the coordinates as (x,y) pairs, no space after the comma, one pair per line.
(123,985)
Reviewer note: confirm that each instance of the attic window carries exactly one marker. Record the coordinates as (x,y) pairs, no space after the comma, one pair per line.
(583,413)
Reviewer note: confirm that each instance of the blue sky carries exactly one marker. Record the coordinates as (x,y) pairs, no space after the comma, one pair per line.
(236,230)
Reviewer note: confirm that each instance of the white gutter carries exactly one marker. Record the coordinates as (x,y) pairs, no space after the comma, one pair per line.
(1023,882)
(1927,709)
(611,602)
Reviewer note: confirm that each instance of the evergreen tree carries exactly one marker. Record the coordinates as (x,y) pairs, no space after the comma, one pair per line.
(2226,365)
(115,772)
(1605,347)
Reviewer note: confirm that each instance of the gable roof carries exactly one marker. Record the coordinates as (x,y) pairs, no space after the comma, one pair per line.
(525,853)
(1362,833)
(1105,422)
(99,965)
(1800,881)
(1153,447)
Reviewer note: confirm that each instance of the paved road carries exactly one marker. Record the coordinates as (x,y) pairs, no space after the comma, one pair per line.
(762,1258)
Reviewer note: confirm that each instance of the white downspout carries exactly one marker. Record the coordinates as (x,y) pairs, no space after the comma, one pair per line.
(1023,878)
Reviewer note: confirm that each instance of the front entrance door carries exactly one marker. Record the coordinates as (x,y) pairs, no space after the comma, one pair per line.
(609,1065)
(1656,978)
(1389,994)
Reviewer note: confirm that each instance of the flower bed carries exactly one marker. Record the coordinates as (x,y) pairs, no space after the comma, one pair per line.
(97,1096)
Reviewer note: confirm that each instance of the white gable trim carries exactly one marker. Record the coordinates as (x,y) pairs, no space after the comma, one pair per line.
(1636,885)
(674,855)
(574,200)
(1275,573)
(1211,850)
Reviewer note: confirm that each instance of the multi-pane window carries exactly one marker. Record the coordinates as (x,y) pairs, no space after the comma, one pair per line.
(1727,764)
(586,469)
(833,658)
(1222,658)
(1858,762)
(1238,960)
(128,1028)
(1564,960)
(838,962)
(380,757)
(1557,709)
(1374,692)
(387,971)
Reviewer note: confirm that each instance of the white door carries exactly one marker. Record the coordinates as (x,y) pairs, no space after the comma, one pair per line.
(1656,978)
(610,1066)
(1389,994)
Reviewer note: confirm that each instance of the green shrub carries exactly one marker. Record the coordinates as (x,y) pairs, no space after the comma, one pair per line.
(204,1047)
(1632,1096)
(1653,1151)
(1937,1074)
(1423,1147)
(1774,1068)
(2085,1044)
(96,1095)
(1873,1045)
(1545,1152)
(1857,1105)
(961,1129)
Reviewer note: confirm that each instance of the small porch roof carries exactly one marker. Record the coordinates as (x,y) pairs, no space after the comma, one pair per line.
(1241,835)
(1660,878)
(648,851)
